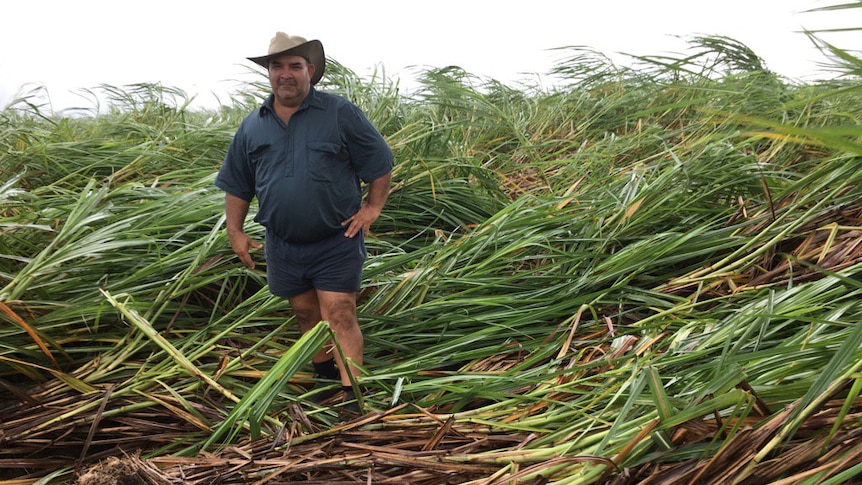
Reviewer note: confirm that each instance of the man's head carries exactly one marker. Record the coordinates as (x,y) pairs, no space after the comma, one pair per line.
(294,64)
(283,44)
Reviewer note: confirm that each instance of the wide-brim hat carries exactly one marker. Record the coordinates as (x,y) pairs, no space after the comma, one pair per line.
(295,45)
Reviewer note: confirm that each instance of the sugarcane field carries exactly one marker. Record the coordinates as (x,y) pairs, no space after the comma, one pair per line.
(648,274)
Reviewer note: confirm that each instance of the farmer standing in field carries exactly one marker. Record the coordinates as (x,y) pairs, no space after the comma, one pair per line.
(303,153)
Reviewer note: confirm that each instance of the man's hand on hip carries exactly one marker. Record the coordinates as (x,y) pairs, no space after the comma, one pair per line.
(362,220)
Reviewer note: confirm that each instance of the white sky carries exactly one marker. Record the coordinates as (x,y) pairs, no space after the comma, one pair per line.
(201,46)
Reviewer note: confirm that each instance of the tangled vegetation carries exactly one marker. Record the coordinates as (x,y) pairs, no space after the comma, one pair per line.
(643,275)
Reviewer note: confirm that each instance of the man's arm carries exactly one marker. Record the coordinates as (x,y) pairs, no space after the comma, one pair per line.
(378,191)
(236,210)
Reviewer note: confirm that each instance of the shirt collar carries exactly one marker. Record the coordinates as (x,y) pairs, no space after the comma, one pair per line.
(312,100)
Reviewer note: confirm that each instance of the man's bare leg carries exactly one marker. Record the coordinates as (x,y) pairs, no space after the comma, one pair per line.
(339,309)
(306,307)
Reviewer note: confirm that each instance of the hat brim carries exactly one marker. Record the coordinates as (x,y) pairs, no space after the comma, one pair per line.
(311,50)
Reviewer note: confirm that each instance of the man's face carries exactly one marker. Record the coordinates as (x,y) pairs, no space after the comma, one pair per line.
(290,78)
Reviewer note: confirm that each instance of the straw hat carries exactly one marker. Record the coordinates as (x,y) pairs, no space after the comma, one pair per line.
(295,45)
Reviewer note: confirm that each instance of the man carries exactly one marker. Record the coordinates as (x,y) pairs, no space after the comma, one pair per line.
(303,153)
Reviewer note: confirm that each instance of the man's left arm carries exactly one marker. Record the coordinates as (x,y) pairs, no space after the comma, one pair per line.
(378,191)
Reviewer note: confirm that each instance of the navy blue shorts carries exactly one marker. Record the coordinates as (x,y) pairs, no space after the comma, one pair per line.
(332,264)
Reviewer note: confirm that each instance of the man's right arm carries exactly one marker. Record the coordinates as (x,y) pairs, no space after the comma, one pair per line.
(236,210)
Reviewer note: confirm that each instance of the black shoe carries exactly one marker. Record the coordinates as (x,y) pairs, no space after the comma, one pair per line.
(349,410)
(325,395)
(326,370)
(325,374)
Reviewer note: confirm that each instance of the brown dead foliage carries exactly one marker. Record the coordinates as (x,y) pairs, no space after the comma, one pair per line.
(829,243)
(375,448)
(405,444)
(810,452)
(126,470)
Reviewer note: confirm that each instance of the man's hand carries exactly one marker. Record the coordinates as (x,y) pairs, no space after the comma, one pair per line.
(378,191)
(235,211)
(242,246)
(362,220)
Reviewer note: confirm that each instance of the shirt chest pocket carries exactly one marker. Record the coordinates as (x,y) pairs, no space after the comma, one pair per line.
(326,162)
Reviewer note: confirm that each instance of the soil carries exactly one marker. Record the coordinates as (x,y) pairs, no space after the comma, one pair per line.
(117,471)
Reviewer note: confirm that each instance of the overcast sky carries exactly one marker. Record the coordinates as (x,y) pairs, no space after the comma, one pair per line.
(201,46)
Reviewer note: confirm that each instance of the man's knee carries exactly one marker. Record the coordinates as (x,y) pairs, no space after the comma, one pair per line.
(307,316)
(306,308)
(341,312)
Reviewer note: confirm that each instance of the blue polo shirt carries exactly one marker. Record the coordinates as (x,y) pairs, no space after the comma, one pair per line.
(306,175)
